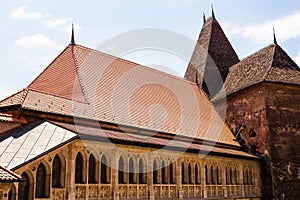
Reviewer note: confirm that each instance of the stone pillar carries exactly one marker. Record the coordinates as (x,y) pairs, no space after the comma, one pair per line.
(70,171)
(241,178)
(150,178)
(203,180)
(224,188)
(179,178)
(114,175)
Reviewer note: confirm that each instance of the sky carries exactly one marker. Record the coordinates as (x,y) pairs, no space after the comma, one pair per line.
(34,32)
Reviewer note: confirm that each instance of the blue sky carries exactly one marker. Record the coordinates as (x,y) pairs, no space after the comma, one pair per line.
(34,32)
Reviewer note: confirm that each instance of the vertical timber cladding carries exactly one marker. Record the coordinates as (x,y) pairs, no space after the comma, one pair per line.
(283,111)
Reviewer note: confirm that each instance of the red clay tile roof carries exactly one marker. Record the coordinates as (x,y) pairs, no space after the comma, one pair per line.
(8,176)
(115,90)
(212,49)
(269,64)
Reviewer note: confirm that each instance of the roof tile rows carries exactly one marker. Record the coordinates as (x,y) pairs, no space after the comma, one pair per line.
(86,83)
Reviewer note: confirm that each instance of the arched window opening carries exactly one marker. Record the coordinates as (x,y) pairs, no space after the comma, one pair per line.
(183,178)
(131,172)
(79,169)
(24,188)
(172,175)
(121,171)
(231,176)
(245,176)
(190,181)
(228,176)
(208,174)
(213,175)
(155,173)
(142,172)
(56,172)
(197,175)
(92,170)
(250,177)
(105,171)
(218,176)
(41,182)
(164,173)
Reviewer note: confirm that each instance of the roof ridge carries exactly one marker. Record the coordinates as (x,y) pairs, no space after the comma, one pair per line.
(77,72)
(140,65)
(271,66)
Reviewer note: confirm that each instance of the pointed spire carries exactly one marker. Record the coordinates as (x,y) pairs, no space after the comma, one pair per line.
(204,19)
(212,12)
(72,36)
(274,36)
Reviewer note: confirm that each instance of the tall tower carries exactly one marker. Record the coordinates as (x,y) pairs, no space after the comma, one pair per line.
(211,59)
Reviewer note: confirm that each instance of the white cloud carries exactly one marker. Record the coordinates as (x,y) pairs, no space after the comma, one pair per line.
(56,22)
(36,41)
(286,28)
(20,13)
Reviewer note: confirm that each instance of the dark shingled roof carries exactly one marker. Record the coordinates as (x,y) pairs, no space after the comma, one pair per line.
(271,64)
(212,49)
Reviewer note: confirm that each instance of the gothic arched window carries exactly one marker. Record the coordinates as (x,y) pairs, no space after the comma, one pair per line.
(41,190)
(24,189)
(121,171)
(105,171)
(92,170)
(56,172)
(79,168)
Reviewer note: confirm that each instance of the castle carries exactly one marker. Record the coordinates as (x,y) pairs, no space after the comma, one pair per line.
(91,126)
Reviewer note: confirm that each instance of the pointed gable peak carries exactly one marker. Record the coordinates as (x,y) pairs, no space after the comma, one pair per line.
(212,48)
(212,12)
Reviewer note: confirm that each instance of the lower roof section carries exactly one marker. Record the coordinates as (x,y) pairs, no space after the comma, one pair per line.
(36,139)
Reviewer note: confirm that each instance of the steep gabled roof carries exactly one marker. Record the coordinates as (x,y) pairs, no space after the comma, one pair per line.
(213,54)
(114,90)
(271,64)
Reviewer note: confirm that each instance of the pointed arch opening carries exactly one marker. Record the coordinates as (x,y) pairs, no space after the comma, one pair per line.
(131,172)
(183,175)
(57,173)
(197,174)
(156,177)
(142,172)
(105,170)
(92,176)
(42,186)
(190,177)
(25,188)
(79,168)
(121,171)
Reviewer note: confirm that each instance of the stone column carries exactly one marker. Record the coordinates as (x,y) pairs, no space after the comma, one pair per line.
(179,178)
(70,171)
(150,178)
(224,188)
(115,178)
(241,178)
(203,180)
